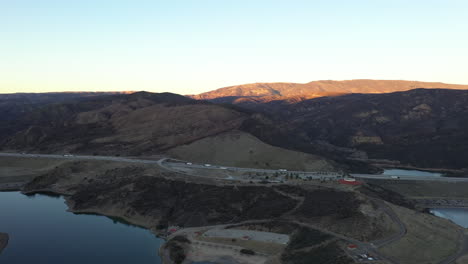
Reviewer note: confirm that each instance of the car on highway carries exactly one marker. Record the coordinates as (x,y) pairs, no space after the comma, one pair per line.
(223,168)
(207,165)
(395,177)
(282,170)
(189,163)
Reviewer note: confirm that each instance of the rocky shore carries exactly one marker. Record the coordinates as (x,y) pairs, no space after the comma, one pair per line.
(3,241)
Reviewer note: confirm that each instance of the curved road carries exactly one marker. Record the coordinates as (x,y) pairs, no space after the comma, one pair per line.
(160,162)
(401,226)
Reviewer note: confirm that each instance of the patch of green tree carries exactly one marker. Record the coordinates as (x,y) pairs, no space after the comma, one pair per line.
(306,237)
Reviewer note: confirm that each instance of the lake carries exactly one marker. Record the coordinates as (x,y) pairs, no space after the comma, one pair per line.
(42,231)
(458,215)
(400,172)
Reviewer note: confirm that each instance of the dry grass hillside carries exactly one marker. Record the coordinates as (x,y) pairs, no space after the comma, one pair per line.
(429,239)
(135,124)
(244,150)
(162,126)
(14,169)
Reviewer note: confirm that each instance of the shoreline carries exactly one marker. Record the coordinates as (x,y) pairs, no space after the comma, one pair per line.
(11,186)
(96,211)
(127,221)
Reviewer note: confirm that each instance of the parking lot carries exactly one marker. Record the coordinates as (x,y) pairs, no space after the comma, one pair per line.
(248,235)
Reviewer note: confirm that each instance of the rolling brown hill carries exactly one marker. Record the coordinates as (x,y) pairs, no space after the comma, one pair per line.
(145,123)
(16,103)
(241,149)
(118,124)
(266,92)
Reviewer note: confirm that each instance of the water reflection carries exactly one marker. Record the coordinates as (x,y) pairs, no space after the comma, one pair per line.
(42,231)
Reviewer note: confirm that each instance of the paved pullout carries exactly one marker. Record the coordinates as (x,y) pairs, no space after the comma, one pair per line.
(3,241)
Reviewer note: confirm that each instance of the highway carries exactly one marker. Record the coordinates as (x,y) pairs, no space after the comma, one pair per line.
(408,178)
(184,164)
(164,162)
(321,174)
(78,157)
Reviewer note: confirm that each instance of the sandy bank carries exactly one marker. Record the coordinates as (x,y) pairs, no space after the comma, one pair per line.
(3,241)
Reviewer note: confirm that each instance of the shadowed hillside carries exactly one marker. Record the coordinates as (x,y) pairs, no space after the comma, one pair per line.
(118,124)
(422,127)
(11,105)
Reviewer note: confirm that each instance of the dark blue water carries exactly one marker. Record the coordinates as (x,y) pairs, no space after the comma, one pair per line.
(41,231)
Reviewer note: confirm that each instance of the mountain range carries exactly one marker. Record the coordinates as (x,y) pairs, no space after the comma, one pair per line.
(266,92)
(274,125)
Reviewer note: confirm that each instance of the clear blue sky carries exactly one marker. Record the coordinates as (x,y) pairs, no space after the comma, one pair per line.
(194,46)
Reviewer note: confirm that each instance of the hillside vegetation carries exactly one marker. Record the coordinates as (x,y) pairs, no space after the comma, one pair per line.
(422,127)
(240,149)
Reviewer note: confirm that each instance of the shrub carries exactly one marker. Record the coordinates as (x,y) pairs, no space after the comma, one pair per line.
(247,251)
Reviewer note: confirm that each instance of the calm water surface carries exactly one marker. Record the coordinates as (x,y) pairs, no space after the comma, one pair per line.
(41,231)
(458,215)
